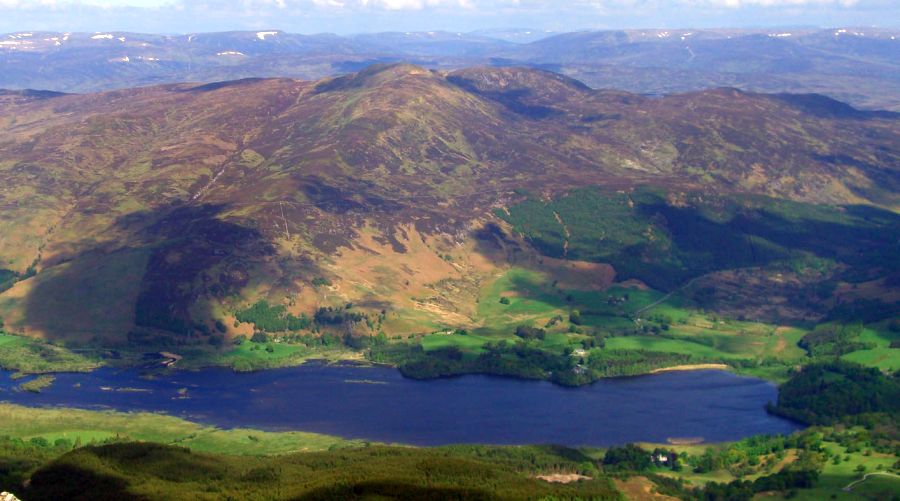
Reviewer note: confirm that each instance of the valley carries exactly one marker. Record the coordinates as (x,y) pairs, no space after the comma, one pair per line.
(438,229)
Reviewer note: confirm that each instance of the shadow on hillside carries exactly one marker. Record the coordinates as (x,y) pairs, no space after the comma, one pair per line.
(515,100)
(170,260)
(64,481)
(387,489)
(66,478)
(824,106)
(761,233)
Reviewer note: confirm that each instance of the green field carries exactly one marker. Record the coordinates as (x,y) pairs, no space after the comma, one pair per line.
(688,331)
(470,343)
(249,356)
(533,300)
(34,357)
(882,355)
(667,345)
(622,320)
(528,303)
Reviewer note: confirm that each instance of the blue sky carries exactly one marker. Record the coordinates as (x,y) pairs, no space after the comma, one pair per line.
(356,16)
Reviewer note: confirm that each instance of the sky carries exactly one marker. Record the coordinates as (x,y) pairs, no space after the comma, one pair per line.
(361,16)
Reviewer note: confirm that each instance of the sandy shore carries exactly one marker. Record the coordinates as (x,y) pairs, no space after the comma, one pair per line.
(694,367)
(562,478)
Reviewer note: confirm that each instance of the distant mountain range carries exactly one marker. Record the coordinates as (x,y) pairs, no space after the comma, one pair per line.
(860,66)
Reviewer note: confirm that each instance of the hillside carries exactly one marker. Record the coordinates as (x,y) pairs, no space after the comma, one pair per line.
(398,201)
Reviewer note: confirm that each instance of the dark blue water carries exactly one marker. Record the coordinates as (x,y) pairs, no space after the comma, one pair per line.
(380,405)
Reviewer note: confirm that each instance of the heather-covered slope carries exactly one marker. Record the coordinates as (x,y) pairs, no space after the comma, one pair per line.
(167,210)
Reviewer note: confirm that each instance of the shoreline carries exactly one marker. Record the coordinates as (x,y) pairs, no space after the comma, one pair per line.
(691,367)
(354,359)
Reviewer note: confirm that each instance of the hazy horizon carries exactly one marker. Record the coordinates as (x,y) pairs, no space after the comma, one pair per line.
(346,17)
(487,31)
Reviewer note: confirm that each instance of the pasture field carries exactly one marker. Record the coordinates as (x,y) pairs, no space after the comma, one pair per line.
(725,341)
(534,298)
(528,303)
(470,343)
(882,355)
(629,318)
(668,345)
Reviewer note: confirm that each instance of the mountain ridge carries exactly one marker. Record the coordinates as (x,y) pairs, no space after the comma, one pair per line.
(829,61)
(186,202)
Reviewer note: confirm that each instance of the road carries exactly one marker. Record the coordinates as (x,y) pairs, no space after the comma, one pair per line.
(666,297)
(849,486)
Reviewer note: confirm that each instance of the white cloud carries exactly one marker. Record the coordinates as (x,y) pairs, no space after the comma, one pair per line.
(20,4)
(770,3)
(402,4)
(566,5)
(106,4)
(414,5)
(355,16)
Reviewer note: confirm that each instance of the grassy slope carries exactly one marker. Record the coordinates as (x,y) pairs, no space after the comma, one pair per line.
(878,487)
(368,473)
(533,301)
(256,465)
(89,426)
(250,463)
(533,298)
(244,178)
(672,240)
(882,355)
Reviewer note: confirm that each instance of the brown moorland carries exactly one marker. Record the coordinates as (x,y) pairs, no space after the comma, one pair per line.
(168,207)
